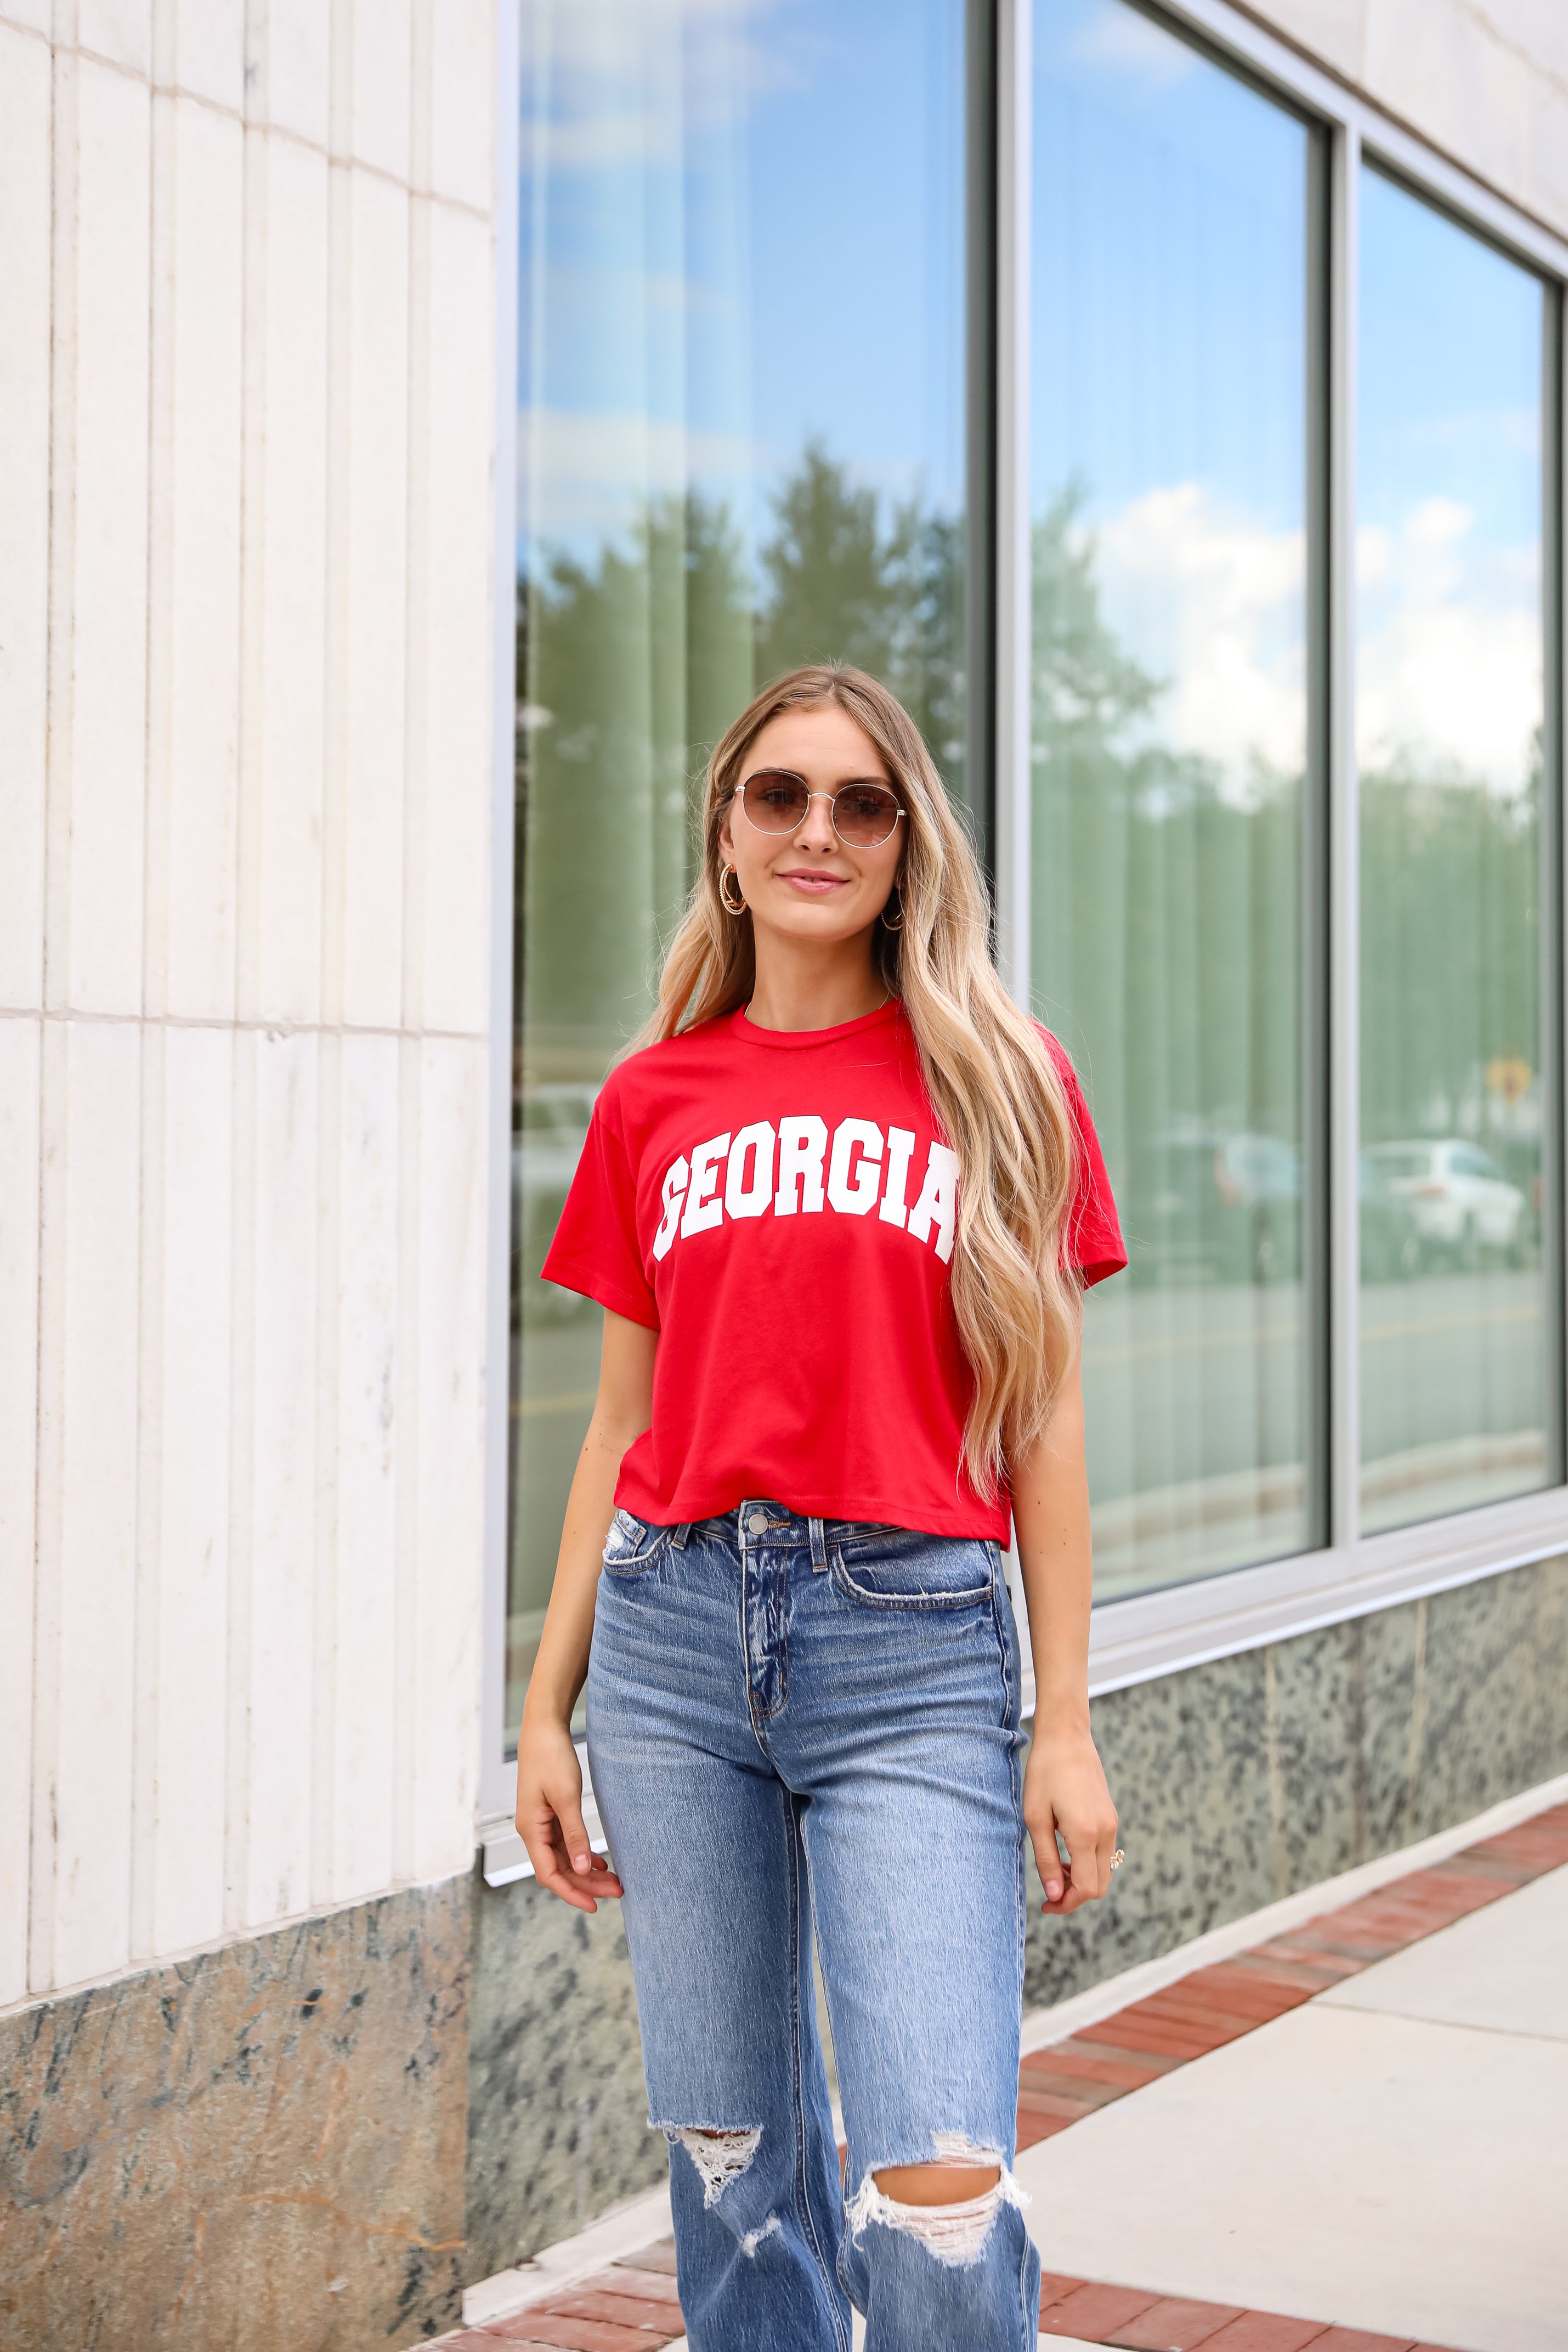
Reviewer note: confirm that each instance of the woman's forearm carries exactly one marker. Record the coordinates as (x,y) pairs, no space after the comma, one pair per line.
(1050,1514)
(623,1410)
(560,1666)
(1065,1799)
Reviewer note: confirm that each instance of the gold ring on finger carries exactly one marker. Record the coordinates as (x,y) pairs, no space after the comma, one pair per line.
(1117,1857)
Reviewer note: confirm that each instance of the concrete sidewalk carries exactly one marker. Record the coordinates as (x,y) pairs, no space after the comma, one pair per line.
(1392,2157)
(1349,2137)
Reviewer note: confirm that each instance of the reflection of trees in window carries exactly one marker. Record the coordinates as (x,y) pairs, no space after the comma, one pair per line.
(631,664)
(1167,901)
(840,585)
(1450,943)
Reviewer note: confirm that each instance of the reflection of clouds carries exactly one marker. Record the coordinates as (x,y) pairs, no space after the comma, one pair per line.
(1450,658)
(591,474)
(609,82)
(1118,39)
(1211,603)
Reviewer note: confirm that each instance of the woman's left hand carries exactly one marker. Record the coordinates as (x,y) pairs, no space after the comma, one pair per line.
(1064,1789)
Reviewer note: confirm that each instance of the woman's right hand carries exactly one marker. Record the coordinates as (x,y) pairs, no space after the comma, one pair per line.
(550,1816)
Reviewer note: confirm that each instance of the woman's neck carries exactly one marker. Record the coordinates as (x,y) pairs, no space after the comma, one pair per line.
(801,985)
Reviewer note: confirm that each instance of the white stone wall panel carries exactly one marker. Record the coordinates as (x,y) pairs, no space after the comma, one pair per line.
(97,785)
(292,619)
(280,1536)
(453,607)
(463,54)
(288,66)
(25,240)
(375,636)
(1333,28)
(245,1500)
(120,30)
(1549,145)
(194,632)
(198,46)
(1442,68)
(361,1572)
(1538,29)
(188,1639)
(380,88)
(446,1598)
(83,1841)
(20,1046)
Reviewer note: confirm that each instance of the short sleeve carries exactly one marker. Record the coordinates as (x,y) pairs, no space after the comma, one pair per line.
(1094,1244)
(595,1251)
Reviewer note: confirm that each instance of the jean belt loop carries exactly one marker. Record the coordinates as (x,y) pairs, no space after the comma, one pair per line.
(681,1532)
(819,1547)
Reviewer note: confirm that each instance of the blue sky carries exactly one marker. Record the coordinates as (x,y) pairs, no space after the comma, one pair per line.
(1450,364)
(754,234)
(1168,277)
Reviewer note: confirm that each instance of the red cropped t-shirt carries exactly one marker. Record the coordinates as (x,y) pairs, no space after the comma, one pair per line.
(781,1207)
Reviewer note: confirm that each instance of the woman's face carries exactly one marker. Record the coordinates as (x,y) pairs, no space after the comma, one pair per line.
(807,883)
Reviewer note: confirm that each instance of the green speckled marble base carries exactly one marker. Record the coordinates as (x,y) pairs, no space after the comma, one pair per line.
(259,2149)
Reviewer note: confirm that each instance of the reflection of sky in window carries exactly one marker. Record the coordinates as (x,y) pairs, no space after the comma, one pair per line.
(1169,380)
(1169,342)
(1448,494)
(753,234)
(1170,214)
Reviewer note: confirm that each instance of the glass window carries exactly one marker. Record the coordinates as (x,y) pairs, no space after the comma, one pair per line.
(1170,477)
(741,446)
(1449,706)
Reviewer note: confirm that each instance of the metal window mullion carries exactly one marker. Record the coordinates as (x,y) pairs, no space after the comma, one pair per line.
(1553,838)
(1014,203)
(498,1778)
(1344,861)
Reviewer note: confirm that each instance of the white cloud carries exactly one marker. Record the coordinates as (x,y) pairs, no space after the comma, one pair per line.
(1449,664)
(1127,43)
(609,82)
(1211,603)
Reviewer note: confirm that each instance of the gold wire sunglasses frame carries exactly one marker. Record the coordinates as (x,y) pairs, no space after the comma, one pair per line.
(798,812)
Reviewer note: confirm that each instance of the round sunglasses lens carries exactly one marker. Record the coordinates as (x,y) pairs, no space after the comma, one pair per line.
(864,814)
(776,803)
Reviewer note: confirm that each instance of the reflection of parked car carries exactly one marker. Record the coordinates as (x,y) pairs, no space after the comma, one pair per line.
(1461,1201)
(1390,1239)
(1212,1206)
(547,1142)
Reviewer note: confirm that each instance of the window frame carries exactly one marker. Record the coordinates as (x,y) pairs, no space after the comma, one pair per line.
(1148,1634)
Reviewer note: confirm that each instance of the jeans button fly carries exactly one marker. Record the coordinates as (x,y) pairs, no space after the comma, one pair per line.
(757,1522)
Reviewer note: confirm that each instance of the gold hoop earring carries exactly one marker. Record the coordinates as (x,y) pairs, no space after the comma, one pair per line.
(898,926)
(729,906)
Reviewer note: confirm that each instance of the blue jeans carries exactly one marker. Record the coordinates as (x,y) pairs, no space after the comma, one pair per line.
(797,1724)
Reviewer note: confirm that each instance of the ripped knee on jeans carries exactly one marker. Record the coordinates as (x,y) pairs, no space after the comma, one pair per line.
(720,2155)
(956,2231)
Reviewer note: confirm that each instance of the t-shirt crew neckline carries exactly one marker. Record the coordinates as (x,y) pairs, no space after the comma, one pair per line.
(794,1039)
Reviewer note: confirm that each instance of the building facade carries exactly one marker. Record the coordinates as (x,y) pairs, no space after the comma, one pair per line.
(423,427)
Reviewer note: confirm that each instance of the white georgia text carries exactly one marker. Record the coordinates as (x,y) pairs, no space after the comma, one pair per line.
(792,1170)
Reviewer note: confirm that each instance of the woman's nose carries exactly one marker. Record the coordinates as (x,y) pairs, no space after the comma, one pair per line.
(817,824)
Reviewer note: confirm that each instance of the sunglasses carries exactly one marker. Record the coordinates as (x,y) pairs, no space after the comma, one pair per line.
(777,801)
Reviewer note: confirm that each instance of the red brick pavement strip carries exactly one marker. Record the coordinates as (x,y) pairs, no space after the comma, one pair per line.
(633,2306)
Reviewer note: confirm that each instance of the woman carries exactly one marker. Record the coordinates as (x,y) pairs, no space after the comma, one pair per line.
(839,1208)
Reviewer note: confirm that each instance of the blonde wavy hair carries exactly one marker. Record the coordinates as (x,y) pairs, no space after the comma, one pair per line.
(991,1080)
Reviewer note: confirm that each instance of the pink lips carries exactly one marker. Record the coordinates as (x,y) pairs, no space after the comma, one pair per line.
(817,884)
